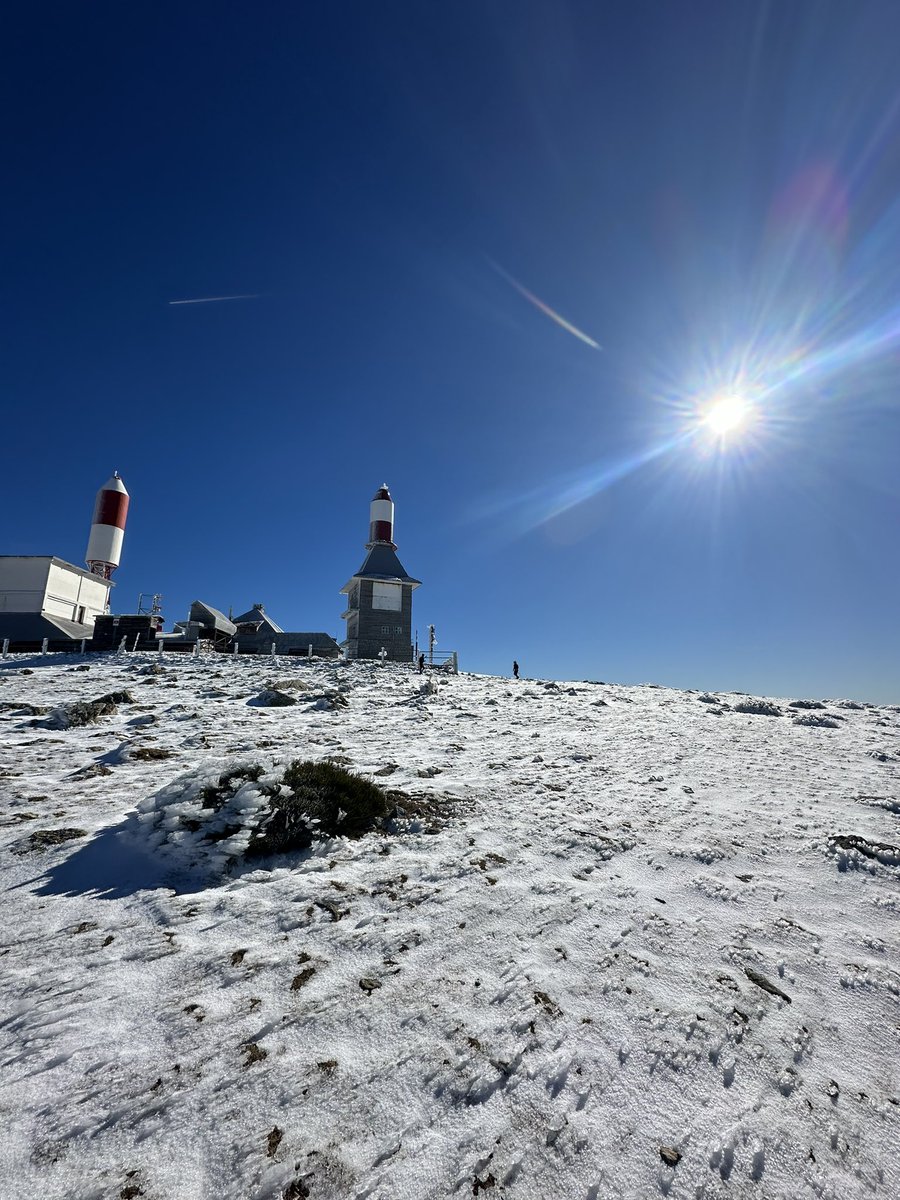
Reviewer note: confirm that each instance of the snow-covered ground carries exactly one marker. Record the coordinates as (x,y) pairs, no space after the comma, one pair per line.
(530,995)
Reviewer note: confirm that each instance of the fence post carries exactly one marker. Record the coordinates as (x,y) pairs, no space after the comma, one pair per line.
(234,648)
(273,650)
(122,646)
(6,647)
(309,652)
(44,646)
(83,644)
(159,646)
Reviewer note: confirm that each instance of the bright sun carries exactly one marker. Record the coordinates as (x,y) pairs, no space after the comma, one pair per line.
(726,415)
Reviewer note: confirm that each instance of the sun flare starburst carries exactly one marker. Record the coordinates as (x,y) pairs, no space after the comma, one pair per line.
(727,416)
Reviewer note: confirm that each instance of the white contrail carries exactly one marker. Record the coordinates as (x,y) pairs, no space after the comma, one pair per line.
(216,299)
(541,306)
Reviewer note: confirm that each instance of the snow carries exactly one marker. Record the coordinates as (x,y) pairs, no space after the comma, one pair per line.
(652,923)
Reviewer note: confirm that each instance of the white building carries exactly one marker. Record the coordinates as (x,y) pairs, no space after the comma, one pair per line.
(45,597)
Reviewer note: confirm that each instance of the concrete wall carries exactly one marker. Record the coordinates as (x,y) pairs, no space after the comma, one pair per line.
(23,583)
(35,584)
(68,592)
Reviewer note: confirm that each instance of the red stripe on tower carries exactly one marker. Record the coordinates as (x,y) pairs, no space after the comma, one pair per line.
(381,518)
(104,550)
(111,508)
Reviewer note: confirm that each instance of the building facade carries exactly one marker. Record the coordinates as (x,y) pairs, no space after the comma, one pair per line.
(42,596)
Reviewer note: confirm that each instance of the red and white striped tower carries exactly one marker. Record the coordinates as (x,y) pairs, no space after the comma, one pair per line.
(381,518)
(107,528)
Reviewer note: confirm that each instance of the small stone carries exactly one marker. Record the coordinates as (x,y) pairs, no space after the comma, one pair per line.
(254,1052)
(301,979)
(273,1141)
(765,984)
(669,1155)
(369,985)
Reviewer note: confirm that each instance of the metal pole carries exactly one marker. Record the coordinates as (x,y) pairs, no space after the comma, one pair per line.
(273,649)
(44,646)
(309,652)
(6,647)
(159,645)
(83,644)
(234,648)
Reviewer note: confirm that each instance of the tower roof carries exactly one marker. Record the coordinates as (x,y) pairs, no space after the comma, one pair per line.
(382,563)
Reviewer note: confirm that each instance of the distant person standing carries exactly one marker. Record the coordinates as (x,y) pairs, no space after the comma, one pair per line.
(515,669)
(421,663)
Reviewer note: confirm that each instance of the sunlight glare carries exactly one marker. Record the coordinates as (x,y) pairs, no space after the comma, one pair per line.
(727,415)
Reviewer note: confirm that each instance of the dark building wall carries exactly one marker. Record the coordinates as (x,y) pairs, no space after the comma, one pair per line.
(376,627)
(109,631)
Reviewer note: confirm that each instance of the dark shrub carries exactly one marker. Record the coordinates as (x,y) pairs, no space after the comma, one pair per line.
(342,804)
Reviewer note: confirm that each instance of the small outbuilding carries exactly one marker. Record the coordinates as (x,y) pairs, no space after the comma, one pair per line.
(42,596)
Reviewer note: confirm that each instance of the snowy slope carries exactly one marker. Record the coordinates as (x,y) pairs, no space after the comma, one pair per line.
(530,997)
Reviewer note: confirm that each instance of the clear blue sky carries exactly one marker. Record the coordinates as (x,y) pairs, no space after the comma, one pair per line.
(707,190)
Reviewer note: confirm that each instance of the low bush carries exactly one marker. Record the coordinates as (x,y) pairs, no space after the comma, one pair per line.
(758,708)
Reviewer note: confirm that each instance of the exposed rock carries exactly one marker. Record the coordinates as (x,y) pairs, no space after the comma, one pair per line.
(287,685)
(767,986)
(889,856)
(272,698)
(87,712)
(273,1141)
(255,1053)
(669,1155)
(43,839)
(149,753)
(806,704)
(369,985)
(329,701)
(92,770)
(295,1190)
(120,697)
(302,978)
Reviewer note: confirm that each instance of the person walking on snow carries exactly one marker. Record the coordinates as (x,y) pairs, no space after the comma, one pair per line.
(421,663)
(515,669)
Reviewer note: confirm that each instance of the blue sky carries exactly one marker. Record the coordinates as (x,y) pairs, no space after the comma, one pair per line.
(708,191)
